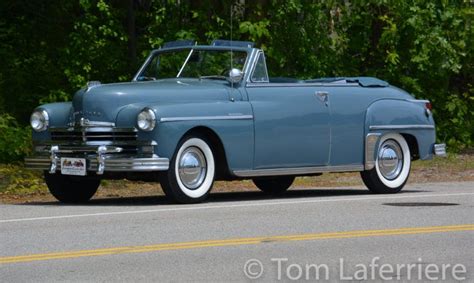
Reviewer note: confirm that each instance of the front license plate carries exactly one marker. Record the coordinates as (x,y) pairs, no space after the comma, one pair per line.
(73,166)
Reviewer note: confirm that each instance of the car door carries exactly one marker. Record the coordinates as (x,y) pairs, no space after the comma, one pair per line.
(292,127)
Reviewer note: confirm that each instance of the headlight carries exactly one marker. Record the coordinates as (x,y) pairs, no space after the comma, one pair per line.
(39,120)
(146,120)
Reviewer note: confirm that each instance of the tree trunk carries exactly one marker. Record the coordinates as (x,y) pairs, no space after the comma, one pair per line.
(132,37)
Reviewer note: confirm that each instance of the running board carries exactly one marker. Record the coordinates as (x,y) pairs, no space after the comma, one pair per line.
(297,170)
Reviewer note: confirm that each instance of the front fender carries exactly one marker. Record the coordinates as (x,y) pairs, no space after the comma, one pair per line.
(232,122)
(59,114)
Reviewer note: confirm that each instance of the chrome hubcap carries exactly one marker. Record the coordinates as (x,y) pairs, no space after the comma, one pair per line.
(390,159)
(192,168)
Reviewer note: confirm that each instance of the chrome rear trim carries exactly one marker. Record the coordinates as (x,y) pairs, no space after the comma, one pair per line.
(439,149)
(418,100)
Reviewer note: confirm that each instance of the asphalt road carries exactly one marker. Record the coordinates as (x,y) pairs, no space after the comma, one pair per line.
(425,232)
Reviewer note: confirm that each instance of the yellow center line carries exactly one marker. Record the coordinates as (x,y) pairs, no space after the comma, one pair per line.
(236,242)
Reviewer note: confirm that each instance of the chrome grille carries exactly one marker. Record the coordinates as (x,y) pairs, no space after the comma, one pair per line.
(94,134)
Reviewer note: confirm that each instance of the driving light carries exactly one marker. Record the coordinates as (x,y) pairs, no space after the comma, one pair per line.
(39,120)
(146,120)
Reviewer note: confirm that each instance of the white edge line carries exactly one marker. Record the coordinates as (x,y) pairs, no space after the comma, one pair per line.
(225,206)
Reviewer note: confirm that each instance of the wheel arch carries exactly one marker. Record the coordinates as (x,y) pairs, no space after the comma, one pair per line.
(372,142)
(412,144)
(217,147)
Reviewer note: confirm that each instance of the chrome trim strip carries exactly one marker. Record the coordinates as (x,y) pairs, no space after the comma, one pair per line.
(439,149)
(236,117)
(418,100)
(302,84)
(371,141)
(94,144)
(88,123)
(298,170)
(92,129)
(400,127)
(83,149)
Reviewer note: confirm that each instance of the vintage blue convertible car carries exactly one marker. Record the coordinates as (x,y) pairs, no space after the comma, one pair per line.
(198,113)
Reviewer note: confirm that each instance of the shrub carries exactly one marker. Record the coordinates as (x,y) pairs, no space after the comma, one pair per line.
(15,140)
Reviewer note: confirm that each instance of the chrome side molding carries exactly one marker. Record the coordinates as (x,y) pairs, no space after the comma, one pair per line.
(401,127)
(194,118)
(298,170)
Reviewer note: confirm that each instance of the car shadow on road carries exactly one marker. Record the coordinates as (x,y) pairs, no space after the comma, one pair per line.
(222,197)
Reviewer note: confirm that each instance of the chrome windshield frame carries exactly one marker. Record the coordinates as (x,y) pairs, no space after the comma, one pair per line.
(248,51)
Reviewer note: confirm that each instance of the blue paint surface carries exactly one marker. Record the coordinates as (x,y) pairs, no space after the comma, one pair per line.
(291,125)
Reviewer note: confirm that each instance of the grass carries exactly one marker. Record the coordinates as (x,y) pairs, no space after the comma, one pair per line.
(21,185)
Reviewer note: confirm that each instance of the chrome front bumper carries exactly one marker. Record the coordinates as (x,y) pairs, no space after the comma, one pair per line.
(104,158)
(439,149)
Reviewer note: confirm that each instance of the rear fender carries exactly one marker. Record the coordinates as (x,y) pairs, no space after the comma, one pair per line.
(405,117)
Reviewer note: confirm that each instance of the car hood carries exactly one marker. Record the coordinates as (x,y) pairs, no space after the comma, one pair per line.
(103,102)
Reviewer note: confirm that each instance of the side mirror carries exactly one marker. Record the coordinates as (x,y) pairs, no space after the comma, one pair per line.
(235,76)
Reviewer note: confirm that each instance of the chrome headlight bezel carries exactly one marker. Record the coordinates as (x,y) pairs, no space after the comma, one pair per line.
(39,120)
(146,120)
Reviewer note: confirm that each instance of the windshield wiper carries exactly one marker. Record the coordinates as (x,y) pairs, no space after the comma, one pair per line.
(213,77)
(143,78)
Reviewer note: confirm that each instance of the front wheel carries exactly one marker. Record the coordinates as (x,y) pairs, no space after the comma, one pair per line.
(191,173)
(274,185)
(392,166)
(71,189)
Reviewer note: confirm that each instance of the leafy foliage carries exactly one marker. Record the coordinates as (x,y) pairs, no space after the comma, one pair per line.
(15,141)
(15,179)
(51,48)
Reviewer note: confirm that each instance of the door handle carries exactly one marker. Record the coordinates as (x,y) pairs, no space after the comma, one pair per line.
(323,96)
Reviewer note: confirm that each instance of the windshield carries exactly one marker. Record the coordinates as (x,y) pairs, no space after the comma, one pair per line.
(192,63)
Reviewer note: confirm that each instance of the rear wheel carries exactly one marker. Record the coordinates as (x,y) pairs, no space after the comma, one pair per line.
(392,166)
(274,185)
(191,173)
(71,189)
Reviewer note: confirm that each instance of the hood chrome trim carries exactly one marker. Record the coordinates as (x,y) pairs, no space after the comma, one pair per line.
(87,123)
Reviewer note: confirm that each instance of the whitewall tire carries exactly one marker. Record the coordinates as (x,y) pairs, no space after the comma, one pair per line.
(392,165)
(191,173)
